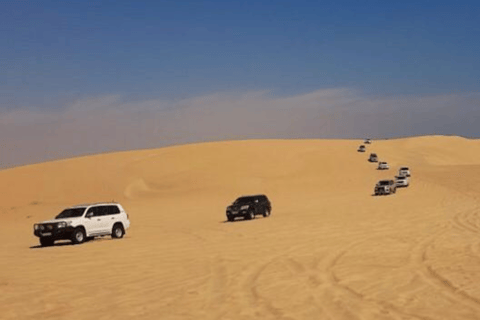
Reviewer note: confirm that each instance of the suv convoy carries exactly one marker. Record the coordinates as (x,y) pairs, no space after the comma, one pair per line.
(385,187)
(248,207)
(404,172)
(373,157)
(383,166)
(84,221)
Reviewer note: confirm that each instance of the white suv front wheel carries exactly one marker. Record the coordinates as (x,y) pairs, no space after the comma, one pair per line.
(78,236)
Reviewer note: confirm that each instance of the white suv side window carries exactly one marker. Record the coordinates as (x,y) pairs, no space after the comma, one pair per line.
(111,210)
(95,211)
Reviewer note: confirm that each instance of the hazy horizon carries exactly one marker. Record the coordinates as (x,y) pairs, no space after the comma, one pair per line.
(106,124)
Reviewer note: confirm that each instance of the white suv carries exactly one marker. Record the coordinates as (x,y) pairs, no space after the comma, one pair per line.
(383,166)
(84,221)
(404,171)
(402,181)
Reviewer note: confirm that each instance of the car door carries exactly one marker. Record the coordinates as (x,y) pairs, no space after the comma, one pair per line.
(111,216)
(98,220)
(259,205)
(104,220)
(91,223)
(265,203)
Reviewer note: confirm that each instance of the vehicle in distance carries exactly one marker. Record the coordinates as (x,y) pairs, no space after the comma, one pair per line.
(373,157)
(404,171)
(402,181)
(248,207)
(361,148)
(384,187)
(367,141)
(79,223)
(383,165)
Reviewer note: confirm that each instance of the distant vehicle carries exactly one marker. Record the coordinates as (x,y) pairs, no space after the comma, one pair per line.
(84,221)
(404,171)
(384,187)
(373,157)
(361,148)
(248,207)
(367,141)
(402,181)
(383,166)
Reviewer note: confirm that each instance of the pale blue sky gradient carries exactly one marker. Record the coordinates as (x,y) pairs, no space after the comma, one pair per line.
(56,51)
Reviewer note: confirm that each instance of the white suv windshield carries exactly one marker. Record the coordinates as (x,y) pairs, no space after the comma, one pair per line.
(71,213)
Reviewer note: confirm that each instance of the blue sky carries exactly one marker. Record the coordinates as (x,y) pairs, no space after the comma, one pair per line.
(404,67)
(53,51)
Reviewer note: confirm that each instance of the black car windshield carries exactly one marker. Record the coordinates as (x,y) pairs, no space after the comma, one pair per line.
(71,213)
(384,183)
(243,200)
(404,168)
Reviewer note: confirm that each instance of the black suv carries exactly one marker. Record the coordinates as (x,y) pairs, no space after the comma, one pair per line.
(248,207)
(373,157)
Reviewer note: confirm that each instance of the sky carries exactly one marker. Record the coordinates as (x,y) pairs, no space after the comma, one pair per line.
(82,77)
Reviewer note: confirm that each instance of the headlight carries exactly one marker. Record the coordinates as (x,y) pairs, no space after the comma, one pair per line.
(36,226)
(245,207)
(62,225)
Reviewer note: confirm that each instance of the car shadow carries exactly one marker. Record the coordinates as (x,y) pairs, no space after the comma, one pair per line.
(59,244)
(243,220)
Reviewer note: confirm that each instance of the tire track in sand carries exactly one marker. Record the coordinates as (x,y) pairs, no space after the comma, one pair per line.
(377,309)
(435,279)
(331,298)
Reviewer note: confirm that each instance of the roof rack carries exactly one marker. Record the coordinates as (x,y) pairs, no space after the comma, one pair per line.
(94,203)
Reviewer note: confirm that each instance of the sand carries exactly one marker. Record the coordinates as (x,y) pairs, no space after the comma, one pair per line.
(330,250)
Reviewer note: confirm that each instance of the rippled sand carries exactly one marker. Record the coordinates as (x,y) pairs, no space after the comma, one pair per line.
(330,250)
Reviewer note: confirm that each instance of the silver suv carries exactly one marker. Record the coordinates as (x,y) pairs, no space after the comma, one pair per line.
(81,222)
(384,187)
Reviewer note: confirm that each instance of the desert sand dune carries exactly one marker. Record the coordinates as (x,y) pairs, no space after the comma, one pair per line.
(330,250)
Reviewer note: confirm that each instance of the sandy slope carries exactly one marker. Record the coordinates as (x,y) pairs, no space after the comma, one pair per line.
(330,250)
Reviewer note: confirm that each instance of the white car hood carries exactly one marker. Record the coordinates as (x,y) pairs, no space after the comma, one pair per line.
(58,220)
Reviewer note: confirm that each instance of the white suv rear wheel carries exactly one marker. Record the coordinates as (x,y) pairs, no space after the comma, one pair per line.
(117,231)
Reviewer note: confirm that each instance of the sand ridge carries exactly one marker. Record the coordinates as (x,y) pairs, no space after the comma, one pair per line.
(330,250)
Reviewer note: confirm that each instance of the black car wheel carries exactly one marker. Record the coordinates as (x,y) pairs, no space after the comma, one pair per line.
(230,217)
(250,215)
(266,213)
(78,236)
(46,242)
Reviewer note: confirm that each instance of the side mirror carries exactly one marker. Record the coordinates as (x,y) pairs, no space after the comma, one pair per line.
(89,215)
